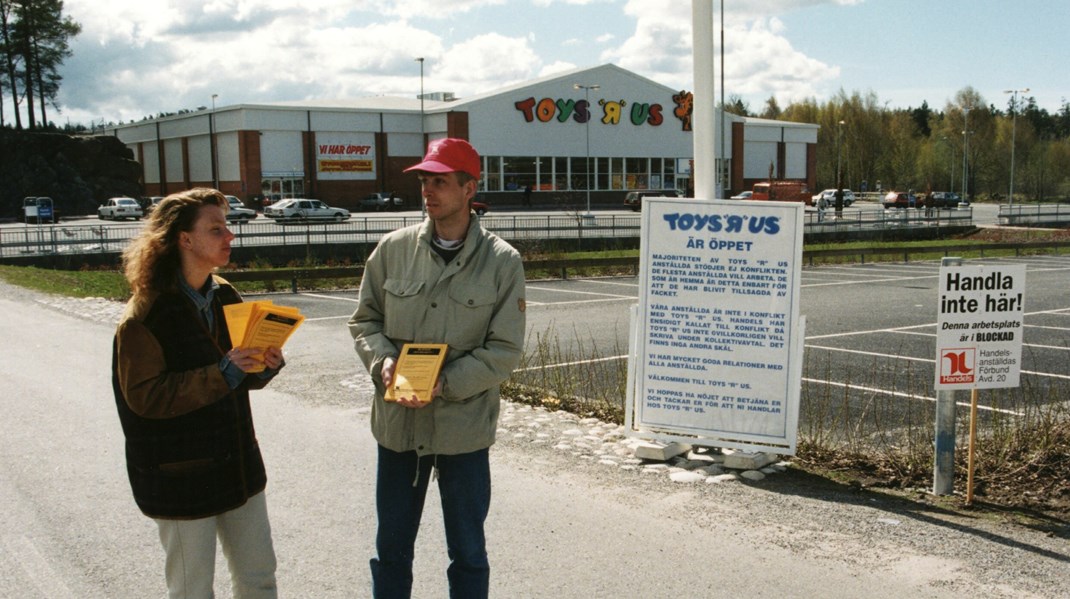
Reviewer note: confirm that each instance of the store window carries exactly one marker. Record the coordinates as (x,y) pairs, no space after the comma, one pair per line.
(518,172)
(668,173)
(601,173)
(280,188)
(492,177)
(636,171)
(561,173)
(616,173)
(579,172)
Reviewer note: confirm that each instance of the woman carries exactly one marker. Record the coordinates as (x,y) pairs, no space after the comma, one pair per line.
(182,393)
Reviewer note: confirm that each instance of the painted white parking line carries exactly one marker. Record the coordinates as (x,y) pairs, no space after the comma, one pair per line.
(331,297)
(869,332)
(563,291)
(903,395)
(870,353)
(1052,347)
(897,268)
(567,364)
(1050,375)
(35,567)
(590,301)
(869,281)
(618,283)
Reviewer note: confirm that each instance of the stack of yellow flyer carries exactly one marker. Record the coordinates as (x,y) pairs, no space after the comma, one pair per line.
(417,371)
(261,324)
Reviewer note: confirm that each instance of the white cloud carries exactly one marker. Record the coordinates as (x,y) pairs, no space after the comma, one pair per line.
(759,59)
(429,9)
(484,63)
(557,67)
(137,58)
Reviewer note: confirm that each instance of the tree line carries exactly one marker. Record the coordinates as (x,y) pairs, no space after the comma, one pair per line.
(34,37)
(965,147)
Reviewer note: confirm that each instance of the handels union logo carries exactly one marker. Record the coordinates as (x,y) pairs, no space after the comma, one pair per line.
(957,366)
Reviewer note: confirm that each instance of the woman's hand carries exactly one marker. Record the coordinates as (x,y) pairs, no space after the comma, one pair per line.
(273,358)
(251,359)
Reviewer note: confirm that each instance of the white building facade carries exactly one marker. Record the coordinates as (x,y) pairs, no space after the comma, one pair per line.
(588,133)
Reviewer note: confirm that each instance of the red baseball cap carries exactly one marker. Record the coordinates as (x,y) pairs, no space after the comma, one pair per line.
(449,155)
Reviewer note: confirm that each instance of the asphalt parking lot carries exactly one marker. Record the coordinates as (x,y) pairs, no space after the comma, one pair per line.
(871,328)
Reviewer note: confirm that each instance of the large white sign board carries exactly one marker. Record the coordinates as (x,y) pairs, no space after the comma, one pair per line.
(717,338)
(979,326)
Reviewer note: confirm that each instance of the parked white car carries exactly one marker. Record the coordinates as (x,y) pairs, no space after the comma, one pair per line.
(827,198)
(120,208)
(238,212)
(302,209)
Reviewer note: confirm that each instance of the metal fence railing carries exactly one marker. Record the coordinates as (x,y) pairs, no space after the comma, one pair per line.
(1033,214)
(84,237)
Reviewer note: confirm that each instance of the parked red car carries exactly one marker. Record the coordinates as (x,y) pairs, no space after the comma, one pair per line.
(899,199)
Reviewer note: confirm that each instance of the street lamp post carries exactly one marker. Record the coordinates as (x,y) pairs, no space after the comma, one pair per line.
(1014,127)
(839,172)
(587,125)
(423,142)
(839,154)
(951,166)
(211,144)
(965,154)
(421,61)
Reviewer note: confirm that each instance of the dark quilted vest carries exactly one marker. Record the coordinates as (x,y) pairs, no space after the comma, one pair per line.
(207,461)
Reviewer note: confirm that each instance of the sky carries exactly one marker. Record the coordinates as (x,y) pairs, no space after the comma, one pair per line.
(139,58)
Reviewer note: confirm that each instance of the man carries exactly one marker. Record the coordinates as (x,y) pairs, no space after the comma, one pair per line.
(446,280)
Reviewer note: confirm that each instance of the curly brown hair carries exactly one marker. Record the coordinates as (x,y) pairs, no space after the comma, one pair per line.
(151,262)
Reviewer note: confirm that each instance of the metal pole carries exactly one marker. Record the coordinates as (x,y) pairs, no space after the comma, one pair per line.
(704,124)
(944,462)
(587,133)
(211,139)
(423,135)
(970,454)
(587,126)
(839,153)
(1014,130)
(965,154)
(722,172)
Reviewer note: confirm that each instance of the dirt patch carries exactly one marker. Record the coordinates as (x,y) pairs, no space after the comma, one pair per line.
(1025,479)
(1016,235)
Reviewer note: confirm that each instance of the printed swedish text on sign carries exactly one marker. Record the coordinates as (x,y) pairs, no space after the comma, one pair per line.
(980,326)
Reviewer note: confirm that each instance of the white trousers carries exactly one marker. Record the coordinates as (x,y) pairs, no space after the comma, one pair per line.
(245,535)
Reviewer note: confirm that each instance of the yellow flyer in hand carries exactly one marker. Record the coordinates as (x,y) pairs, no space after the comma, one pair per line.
(261,324)
(417,371)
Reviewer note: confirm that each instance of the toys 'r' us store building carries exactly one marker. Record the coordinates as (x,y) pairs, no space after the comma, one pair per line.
(604,130)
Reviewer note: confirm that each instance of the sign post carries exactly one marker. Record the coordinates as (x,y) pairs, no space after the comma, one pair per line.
(944,462)
(978,345)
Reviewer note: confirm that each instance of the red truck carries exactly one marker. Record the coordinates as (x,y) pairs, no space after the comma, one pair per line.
(783,191)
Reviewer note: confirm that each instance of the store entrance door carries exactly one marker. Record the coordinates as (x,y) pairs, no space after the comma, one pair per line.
(282,188)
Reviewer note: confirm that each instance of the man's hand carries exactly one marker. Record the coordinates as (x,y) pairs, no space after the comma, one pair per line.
(411,401)
(387,372)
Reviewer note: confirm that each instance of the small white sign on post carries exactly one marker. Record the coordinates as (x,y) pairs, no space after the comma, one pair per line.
(717,338)
(979,326)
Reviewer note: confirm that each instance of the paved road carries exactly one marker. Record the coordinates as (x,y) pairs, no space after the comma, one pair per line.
(562,525)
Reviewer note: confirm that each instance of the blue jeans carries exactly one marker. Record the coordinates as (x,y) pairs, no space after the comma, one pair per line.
(464,486)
